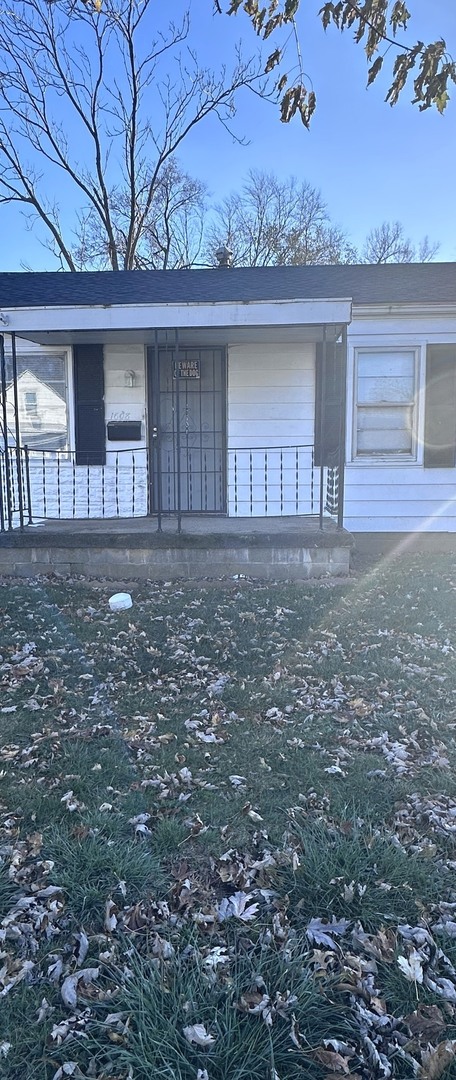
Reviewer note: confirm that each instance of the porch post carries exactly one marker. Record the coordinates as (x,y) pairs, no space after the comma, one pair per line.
(321,423)
(155,432)
(28,486)
(2,511)
(178,432)
(342,432)
(20,495)
(9,504)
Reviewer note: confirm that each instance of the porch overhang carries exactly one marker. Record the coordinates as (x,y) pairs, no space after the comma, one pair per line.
(291,321)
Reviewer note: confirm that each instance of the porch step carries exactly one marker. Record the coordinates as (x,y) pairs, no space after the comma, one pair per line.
(274,550)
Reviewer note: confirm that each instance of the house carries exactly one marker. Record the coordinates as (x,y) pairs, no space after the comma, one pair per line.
(250,393)
(42,409)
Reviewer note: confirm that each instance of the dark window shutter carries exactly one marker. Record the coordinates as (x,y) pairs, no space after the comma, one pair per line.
(440,411)
(329,403)
(89,405)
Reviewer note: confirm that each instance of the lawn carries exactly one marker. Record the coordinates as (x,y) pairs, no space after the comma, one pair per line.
(227,829)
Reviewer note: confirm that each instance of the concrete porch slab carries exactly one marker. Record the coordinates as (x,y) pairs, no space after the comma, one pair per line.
(272,548)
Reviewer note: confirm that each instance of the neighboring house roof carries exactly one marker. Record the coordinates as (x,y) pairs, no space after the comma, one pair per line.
(34,381)
(365,284)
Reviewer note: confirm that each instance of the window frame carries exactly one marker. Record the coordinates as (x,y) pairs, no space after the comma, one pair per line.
(31,350)
(393,457)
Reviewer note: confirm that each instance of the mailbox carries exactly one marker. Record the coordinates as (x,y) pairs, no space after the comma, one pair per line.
(124,431)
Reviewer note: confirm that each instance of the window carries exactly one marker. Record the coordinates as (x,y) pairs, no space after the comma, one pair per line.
(30,402)
(42,397)
(385,403)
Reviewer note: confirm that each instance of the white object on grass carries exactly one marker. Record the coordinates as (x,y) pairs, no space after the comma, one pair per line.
(120,601)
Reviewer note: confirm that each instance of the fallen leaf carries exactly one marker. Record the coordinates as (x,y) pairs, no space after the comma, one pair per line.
(110,919)
(196,1033)
(411,967)
(69,988)
(337,1062)
(70,1068)
(427,1021)
(239,906)
(321,932)
(436,1062)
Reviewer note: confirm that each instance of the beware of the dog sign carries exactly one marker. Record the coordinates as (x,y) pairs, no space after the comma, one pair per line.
(187,369)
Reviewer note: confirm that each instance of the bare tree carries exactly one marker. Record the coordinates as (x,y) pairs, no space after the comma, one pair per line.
(95,101)
(389,244)
(271,222)
(379,26)
(172,230)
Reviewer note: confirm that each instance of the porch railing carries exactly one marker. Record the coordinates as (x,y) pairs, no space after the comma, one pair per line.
(280,481)
(61,488)
(15,493)
(265,481)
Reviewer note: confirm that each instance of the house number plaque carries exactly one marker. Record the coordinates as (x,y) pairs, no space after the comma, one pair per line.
(187,369)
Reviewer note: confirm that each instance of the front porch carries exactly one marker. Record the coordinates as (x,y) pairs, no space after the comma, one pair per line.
(277,548)
(150,414)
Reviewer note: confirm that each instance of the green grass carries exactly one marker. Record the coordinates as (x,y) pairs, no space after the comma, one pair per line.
(356,874)
(244,1047)
(96,868)
(241,723)
(7,892)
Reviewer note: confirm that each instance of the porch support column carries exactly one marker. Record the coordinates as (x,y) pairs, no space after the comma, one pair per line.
(155,459)
(8,515)
(20,494)
(321,422)
(178,431)
(342,433)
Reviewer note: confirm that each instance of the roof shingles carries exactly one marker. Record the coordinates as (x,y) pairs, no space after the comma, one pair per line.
(364,284)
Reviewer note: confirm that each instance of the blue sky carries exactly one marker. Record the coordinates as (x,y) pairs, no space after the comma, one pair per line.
(371,162)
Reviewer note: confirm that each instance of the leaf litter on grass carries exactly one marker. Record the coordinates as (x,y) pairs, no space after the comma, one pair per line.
(130,731)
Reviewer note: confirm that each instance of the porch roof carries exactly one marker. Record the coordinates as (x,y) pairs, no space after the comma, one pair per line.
(216,324)
(191,337)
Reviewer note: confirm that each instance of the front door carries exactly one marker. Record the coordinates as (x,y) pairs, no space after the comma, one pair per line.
(187,430)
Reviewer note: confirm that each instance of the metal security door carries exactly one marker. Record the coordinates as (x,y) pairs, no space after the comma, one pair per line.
(187,432)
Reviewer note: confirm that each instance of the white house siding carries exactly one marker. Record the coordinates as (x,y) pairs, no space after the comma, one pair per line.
(384,496)
(123,402)
(405,499)
(270,430)
(120,488)
(271,394)
(60,488)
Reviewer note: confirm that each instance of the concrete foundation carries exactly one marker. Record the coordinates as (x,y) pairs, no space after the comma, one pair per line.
(268,550)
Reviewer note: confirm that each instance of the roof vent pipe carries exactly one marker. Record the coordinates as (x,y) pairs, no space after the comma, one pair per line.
(224,256)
